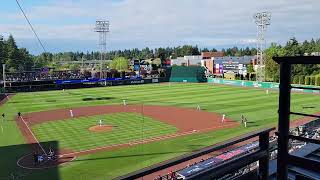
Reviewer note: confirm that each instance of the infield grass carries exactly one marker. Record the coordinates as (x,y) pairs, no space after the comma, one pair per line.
(260,109)
(73,134)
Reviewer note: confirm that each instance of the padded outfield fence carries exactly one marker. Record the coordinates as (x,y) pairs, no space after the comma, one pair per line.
(264,85)
(187,74)
(28,86)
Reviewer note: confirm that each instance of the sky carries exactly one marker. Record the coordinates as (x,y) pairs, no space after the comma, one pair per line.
(68,25)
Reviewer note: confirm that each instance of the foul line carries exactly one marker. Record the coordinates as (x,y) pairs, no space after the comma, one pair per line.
(33,135)
(143,141)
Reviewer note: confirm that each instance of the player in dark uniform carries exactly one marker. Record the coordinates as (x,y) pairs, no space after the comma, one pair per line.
(2,115)
(35,159)
(242,118)
(19,114)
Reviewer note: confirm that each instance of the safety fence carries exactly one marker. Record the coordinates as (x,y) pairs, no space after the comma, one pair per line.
(264,85)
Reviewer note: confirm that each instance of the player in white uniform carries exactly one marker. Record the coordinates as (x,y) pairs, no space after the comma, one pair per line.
(71,113)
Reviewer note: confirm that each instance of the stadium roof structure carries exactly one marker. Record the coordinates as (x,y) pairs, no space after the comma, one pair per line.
(298,59)
(286,160)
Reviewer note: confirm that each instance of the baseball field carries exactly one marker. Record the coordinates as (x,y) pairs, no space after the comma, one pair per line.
(116,130)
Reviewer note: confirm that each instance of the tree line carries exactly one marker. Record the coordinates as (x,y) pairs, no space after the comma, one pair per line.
(15,59)
(293,48)
(19,59)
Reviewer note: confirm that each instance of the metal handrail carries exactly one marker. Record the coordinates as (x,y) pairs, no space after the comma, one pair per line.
(304,139)
(263,135)
(303,114)
(302,87)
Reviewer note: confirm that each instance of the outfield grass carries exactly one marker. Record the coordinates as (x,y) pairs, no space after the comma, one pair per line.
(260,109)
(73,134)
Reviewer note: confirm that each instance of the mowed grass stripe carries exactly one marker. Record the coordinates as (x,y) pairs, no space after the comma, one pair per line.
(70,98)
(67,104)
(84,92)
(259,108)
(131,127)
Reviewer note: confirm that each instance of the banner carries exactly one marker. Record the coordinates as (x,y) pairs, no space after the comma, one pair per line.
(264,85)
(94,80)
(214,161)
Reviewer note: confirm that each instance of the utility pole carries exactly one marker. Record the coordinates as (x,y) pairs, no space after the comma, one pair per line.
(4,77)
(3,69)
(262,19)
(102,27)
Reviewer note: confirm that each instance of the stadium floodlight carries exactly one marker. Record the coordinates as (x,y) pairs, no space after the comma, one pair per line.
(102,27)
(262,19)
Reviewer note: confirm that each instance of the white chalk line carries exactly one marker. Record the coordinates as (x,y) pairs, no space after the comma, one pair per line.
(146,140)
(33,135)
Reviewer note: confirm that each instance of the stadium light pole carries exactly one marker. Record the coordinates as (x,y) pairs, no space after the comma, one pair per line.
(4,77)
(102,27)
(262,19)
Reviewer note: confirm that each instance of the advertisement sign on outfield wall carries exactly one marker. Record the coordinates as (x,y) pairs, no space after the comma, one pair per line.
(265,85)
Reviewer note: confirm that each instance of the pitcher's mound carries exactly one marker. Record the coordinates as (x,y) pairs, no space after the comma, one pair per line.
(102,128)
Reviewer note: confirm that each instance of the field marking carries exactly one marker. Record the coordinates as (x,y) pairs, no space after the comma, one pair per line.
(143,141)
(148,140)
(33,135)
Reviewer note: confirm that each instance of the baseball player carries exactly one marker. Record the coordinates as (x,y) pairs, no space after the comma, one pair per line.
(35,159)
(198,107)
(71,113)
(40,158)
(245,122)
(242,118)
(51,154)
(19,114)
(124,102)
(100,122)
(223,117)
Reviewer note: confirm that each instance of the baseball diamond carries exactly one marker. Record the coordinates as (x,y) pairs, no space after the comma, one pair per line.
(158,122)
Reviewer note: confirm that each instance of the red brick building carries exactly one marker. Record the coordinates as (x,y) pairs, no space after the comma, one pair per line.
(208,59)
(209,55)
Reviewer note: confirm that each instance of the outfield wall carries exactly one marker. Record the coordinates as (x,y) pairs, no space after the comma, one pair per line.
(78,83)
(264,85)
(187,74)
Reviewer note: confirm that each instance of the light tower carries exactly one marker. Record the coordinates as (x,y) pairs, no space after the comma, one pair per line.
(102,27)
(262,19)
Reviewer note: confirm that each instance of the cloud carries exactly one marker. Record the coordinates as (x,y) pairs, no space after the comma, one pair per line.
(167,22)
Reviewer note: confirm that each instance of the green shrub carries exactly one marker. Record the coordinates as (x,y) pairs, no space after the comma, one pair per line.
(312,80)
(307,80)
(317,80)
(301,79)
(295,80)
